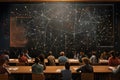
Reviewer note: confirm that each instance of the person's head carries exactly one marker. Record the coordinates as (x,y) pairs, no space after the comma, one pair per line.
(50,52)
(62,53)
(21,54)
(37,60)
(104,52)
(26,51)
(113,54)
(67,65)
(81,53)
(42,57)
(74,52)
(93,52)
(85,60)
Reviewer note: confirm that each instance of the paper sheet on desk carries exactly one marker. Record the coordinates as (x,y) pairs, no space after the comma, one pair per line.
(111,68)
(16,60)
(14,68)
(73,60)
(75,68)
(11,59)
(58,70)
(30,69)
(103,61)
(29,60)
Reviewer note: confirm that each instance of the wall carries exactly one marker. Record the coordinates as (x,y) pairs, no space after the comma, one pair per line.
(64,26)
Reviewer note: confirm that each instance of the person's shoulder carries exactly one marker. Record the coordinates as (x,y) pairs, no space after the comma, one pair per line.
(34,64)
(65,70)
(48,57)
(90,66)
(82,66)
(92,56)
(59,57)
(40,64)
(109,58)
(119,66)
(62,70)
(65,57)
(53,56)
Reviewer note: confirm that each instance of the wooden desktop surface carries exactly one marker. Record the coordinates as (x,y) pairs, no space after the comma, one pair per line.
(72,61)
(46,61)
(55,69)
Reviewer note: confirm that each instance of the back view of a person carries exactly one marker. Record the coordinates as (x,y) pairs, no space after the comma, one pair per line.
(81,55)
(37,68)
(66,73)
(62,59)
(86,67)
(23,59)
(51,59)
(93,58)
(3,70)
(113,60)
(116,72)
(42,60)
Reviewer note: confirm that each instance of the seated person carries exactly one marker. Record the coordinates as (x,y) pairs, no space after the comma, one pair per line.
(37,68)
(93,58)
(5,56)
(75,55)
(26,53)
(86,68)
(62,59)
(23,59)
(42,60)
(104,55)
(82,55)
(113,60)
(66,73)
(3,70)
(115,70)
(51,59)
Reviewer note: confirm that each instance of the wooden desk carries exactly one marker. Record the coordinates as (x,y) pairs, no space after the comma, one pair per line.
(100,72)
(20,69)
(55,69)
(31,61)
(72,61)
(16,60)
(102,61)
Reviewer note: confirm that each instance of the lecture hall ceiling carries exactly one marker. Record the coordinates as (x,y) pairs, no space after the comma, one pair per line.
(60,0)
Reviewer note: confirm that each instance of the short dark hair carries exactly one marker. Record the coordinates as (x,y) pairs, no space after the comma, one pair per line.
(37,60)
(113,54)
(67,65)
(41,57)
